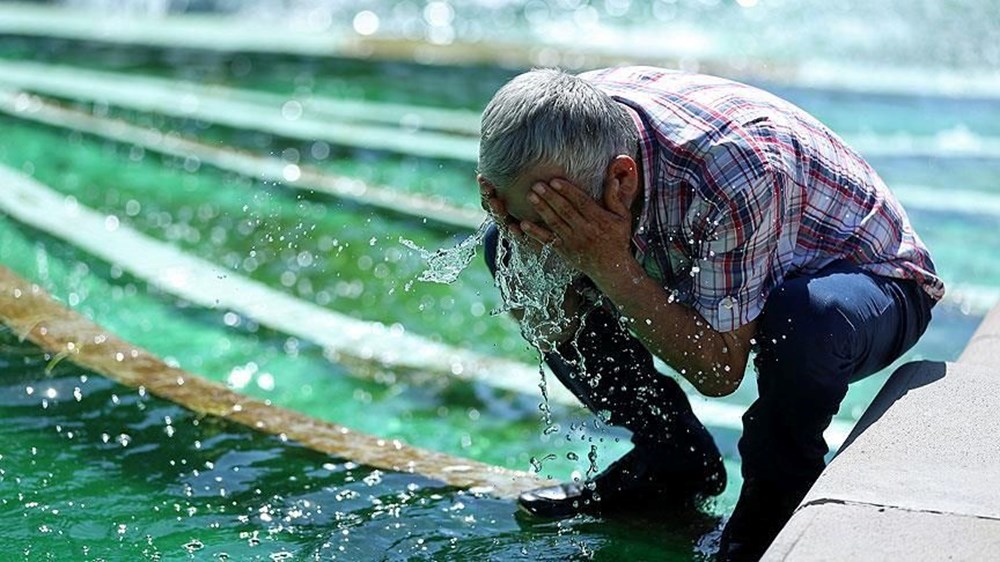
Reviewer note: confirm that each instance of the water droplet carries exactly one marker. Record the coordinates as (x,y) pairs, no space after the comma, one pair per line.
(374,478)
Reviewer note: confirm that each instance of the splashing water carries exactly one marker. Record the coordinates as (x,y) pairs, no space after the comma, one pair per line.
(532,281)
(592,458)
(446,264)
(537,463)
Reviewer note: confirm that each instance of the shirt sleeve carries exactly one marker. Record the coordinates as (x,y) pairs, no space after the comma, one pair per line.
(735,223)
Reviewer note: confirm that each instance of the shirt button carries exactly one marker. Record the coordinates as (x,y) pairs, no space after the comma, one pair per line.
(728,303)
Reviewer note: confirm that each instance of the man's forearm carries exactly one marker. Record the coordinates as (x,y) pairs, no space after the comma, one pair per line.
(713,362)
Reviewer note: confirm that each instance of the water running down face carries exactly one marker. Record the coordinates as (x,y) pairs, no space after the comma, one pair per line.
(532,279)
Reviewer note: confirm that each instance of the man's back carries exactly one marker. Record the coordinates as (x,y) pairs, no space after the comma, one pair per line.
(744,189)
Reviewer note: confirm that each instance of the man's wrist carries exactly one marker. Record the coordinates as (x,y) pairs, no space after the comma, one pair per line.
(621,279)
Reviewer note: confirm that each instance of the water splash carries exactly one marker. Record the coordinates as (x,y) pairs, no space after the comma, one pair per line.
(592,458)
(446,264)
(536,463)
(544,405)
(532,280)
(194,545)
(533,283)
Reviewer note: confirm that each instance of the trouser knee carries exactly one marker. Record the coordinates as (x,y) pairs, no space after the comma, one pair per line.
(798,335)
(806,355)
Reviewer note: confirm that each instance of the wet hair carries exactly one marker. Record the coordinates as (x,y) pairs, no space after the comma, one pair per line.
(549,117)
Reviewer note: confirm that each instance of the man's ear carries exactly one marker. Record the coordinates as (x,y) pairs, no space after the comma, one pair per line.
(623,172)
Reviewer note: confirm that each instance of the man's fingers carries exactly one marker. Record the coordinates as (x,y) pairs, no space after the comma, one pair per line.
(582,203)
(546,197)
(553,219)
(538,233)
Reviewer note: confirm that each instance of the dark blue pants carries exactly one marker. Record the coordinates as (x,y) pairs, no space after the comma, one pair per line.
(817,334)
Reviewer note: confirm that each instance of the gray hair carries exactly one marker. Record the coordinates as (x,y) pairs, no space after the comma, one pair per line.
(549,117)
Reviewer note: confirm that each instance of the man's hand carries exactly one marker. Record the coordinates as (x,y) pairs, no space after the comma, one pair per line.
(594,239)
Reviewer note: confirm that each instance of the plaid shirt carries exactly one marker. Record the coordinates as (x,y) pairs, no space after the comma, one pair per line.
(743,189)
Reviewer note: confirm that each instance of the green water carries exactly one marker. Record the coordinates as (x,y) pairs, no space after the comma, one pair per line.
(66,496)
(91,470)
(172,480)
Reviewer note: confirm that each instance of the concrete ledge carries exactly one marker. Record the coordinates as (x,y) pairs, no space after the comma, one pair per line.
(984,346)
(844,531)
(917,479)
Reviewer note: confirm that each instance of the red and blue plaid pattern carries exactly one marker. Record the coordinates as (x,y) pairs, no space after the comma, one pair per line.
(743,189)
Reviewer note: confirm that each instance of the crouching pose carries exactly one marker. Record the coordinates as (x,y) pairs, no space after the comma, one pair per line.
(702,219)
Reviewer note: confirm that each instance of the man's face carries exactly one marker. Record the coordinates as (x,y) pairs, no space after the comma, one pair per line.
(515,196)
(532,280)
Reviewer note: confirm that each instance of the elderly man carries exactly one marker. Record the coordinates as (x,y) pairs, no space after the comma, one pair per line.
(704,219)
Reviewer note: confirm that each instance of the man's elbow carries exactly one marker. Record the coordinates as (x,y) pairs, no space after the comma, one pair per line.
(722,379)
(717,387)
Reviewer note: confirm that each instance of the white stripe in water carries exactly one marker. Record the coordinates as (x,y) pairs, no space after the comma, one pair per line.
(185,100)
(416,130)
(954,143)
(211,286)
(972,83)
(406,116)
(948,199)
(260,167)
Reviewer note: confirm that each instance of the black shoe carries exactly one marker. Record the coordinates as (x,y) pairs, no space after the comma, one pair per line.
(639,481)
(759,515)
